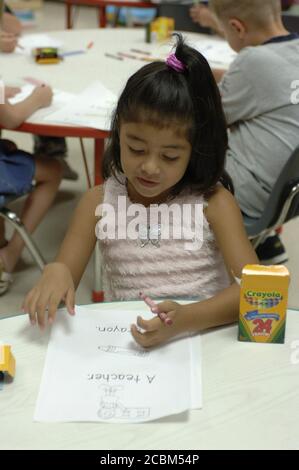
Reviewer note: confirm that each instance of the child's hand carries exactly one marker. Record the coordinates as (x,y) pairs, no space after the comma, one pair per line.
(156,331)
(55,285)
(44,95)
(202,15)
(11,91)
(8,42)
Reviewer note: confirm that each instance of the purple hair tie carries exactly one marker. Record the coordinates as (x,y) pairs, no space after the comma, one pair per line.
(174,63)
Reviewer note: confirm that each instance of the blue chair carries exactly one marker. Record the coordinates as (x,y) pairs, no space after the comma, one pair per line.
(282,205)
(12,218)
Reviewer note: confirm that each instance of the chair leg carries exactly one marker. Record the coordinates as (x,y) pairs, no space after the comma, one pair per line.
(85,163)
(16,222)
(256,241)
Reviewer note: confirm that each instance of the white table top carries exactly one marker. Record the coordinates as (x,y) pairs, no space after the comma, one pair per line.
(76,72)
(250,399)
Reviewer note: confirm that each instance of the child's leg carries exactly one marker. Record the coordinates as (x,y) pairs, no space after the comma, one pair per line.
(48,175)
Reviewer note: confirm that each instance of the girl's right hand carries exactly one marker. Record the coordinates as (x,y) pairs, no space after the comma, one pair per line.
(55,285)
(44,95)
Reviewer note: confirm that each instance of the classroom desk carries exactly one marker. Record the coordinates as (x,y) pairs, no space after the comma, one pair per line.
(102,5)
(78,71)
(250,399)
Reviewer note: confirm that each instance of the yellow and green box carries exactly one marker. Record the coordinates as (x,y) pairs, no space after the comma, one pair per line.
(263,303)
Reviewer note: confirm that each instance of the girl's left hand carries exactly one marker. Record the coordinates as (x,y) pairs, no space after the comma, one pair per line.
(156,331)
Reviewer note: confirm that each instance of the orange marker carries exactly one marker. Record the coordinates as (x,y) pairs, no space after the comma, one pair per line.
(89,45)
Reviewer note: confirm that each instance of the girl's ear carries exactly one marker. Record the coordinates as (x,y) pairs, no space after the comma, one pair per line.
(238,27)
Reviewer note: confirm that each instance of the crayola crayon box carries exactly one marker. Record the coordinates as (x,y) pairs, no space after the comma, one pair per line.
(263,303)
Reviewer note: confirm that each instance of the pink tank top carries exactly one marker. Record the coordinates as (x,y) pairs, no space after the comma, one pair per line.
(161,268)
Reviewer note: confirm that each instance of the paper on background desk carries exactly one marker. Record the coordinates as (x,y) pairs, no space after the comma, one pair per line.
(217,52)
(91,108)
(94,371)
(60,99)
(32,41)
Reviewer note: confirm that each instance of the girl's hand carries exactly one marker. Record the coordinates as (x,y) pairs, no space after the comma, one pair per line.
(55,285)
(11,91)
(157,332)
(44,95)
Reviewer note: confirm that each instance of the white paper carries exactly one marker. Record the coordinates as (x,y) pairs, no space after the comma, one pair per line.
(60,99)
(216,52)
(32,41)
(94,371)
(91,108)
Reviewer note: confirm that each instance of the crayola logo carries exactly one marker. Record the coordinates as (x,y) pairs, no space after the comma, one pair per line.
(251,293)
(263,303)
(263,299)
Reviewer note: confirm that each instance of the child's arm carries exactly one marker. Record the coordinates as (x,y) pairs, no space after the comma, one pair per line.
(11,116)
(8,42)
(226,221)
(59,279)
(218,74)
(11,24)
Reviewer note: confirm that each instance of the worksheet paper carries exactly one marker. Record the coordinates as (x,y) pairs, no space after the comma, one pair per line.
(216,51)
(60,99)
(91,108)
(95,371)
(31,41)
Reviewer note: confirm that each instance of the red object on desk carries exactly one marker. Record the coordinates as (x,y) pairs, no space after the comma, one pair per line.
(102,4)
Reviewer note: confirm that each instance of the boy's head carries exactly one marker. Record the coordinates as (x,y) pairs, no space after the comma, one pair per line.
(247,22)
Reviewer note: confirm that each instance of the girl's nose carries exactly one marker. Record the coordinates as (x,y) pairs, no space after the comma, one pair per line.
(150,166)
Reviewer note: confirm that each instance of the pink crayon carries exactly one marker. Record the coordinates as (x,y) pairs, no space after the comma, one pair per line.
(163,316)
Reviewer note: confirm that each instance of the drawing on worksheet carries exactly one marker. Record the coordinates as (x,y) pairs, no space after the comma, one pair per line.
(94,370)
(126,351)
(111,406)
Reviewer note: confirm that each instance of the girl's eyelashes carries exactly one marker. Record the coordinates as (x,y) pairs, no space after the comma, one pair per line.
(142,152)
(170,159)
(136,151)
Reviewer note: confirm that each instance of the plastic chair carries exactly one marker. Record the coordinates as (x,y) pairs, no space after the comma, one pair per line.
(282,205)
(12,218)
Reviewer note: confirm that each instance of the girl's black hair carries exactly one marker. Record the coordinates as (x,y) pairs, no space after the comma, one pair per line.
(158,95)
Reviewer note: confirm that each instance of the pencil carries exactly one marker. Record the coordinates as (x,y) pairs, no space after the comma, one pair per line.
(112,56)
(140,52)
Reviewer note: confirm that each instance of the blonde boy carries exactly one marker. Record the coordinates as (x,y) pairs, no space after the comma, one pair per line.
(256,93)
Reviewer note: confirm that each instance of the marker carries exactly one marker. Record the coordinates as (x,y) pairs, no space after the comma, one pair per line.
(127,56)
(131,56)
(117,57)
(66,54)
(89,45)
(150,303)
(140,52)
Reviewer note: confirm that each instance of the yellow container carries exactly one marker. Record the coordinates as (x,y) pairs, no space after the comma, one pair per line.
(263,303)
(7,360)
(160,29)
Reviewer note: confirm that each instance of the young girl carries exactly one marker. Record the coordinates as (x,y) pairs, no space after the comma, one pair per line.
(167,148)
(17,171)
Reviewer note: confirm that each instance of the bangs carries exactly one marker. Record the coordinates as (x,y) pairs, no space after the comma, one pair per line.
(151,116)
(161,102)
